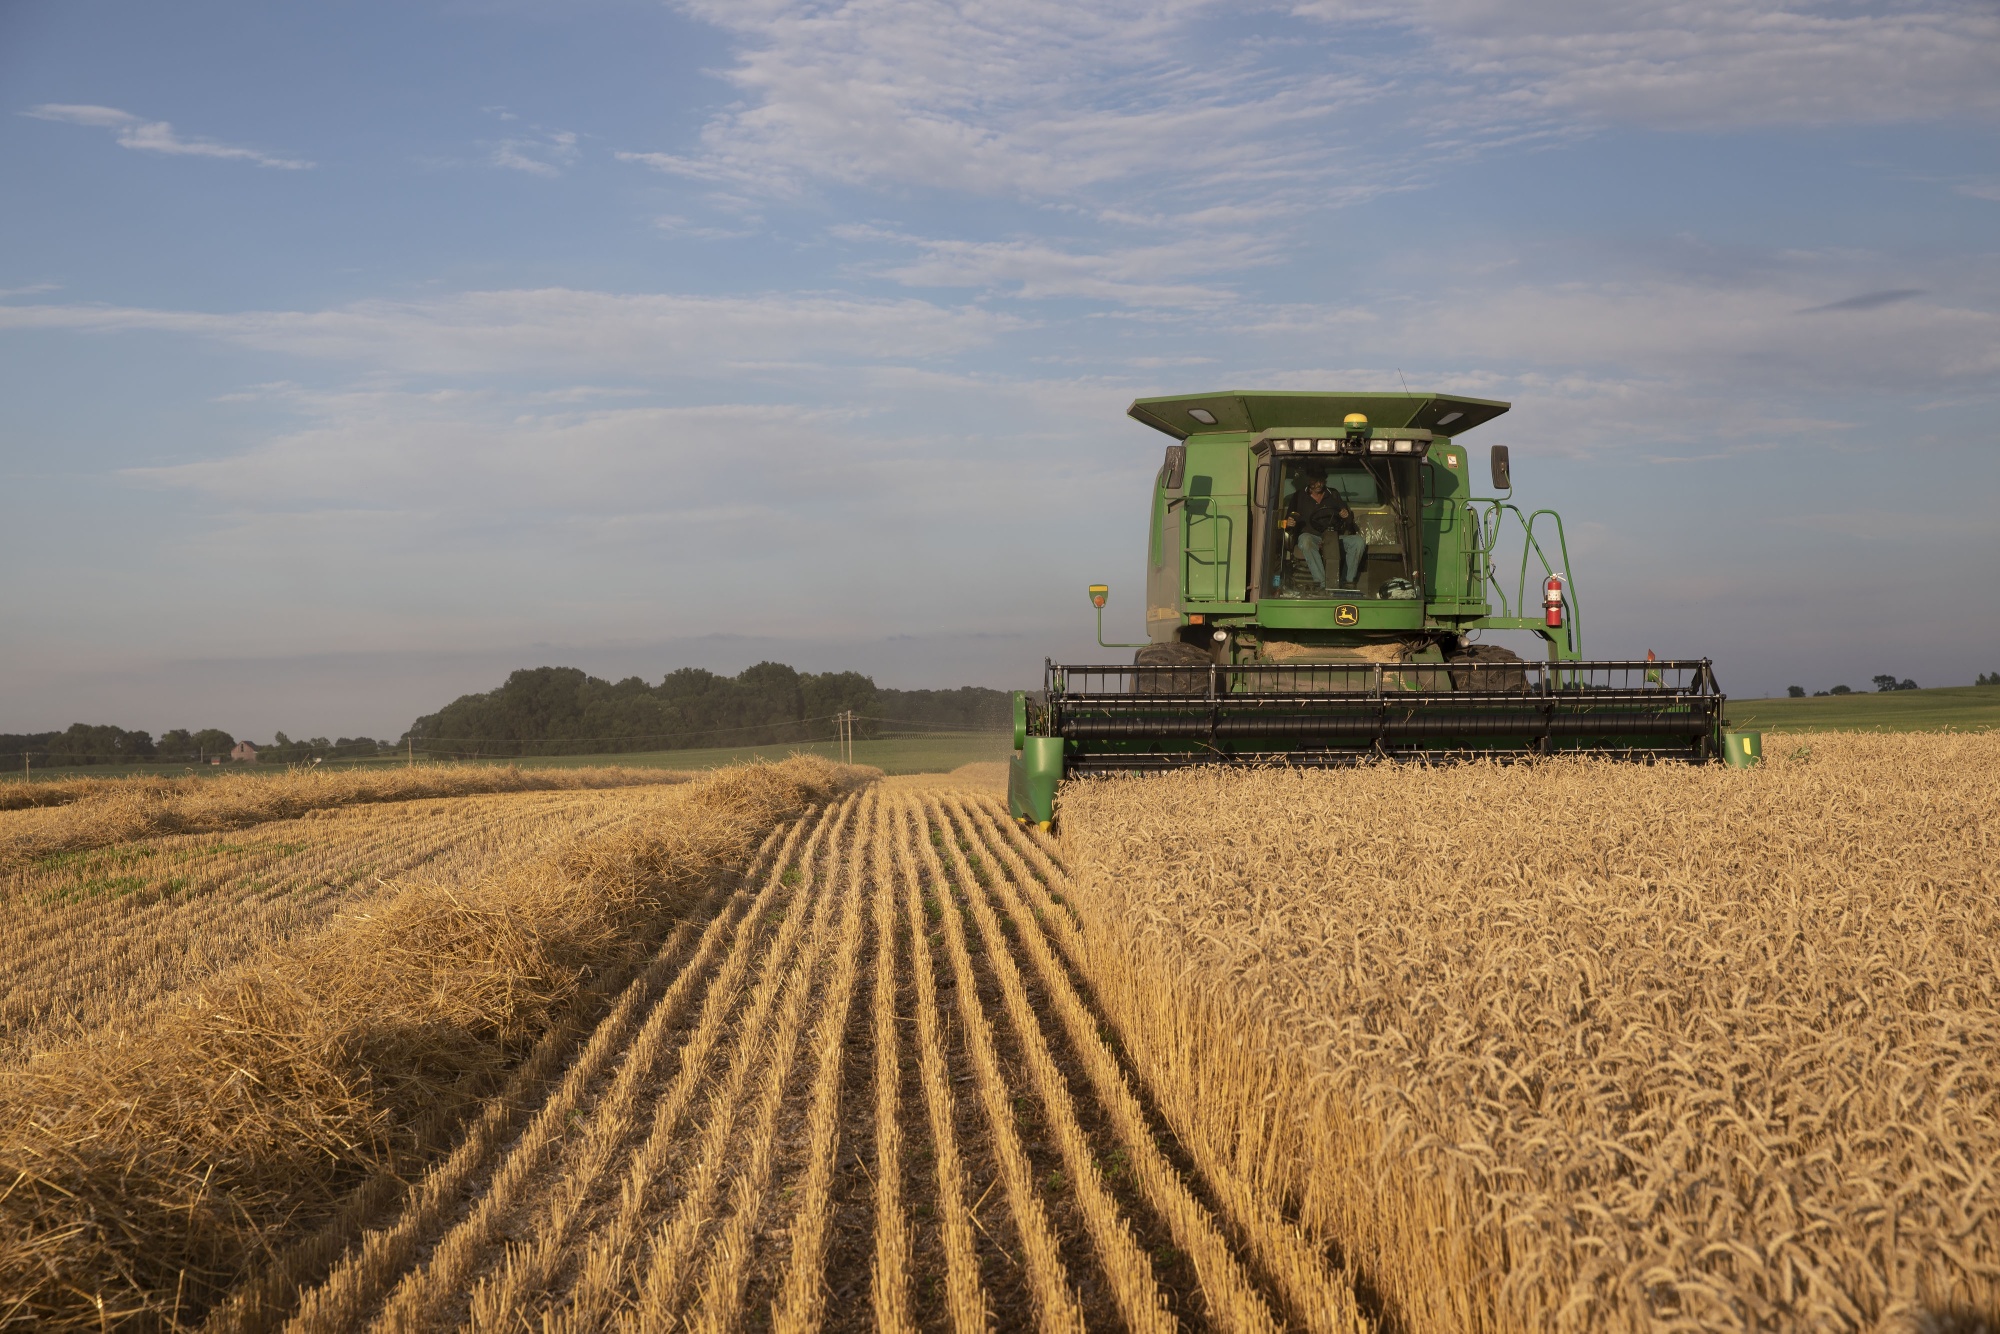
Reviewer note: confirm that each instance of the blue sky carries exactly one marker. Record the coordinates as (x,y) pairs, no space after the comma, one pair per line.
(351,356)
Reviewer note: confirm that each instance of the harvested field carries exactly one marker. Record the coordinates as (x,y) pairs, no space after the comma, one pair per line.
(870,1094)
(240,1128)
(91,938)
(854,1082)
(43,819)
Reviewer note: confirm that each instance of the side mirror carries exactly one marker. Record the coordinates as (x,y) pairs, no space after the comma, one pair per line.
(1503,480)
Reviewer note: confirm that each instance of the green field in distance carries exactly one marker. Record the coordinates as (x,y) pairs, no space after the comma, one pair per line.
(895,755)
(1888,711)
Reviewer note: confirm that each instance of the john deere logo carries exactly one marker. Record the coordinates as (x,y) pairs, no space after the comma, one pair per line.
(1346,614)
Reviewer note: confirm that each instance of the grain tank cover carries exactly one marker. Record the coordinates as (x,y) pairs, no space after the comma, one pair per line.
(1264,409)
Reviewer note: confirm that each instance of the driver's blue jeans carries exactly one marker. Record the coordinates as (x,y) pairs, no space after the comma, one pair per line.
(1351,547)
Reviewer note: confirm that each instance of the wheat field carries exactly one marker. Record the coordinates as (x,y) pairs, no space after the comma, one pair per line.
(1581,1046)
(1558,1046)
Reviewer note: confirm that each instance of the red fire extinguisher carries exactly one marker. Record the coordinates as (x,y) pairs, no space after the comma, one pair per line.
(1552,601)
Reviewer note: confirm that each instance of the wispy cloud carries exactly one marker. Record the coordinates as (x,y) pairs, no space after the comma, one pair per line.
(1030,99)
(1197,136)
(157,136)
(1700,64)
(1199,103)
(798,497)
(1866,301)
(539,151)
(673,224)
(1045,269)
(563,331)
(1709,337)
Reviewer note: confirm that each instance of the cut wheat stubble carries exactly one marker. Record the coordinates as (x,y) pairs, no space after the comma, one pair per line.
(668,1269)
(1316,1296)
(801,1302)
(1125,1263)
(525,1277)
(264,1122)
(450,1264)
(1316,1300)
(965,1300)
(1056,1307)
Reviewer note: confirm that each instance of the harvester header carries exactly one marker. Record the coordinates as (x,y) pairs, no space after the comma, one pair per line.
(1322,573)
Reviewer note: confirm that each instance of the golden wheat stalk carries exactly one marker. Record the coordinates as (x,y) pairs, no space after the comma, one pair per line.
(1662,1062)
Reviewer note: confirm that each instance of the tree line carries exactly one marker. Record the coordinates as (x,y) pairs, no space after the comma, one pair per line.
(565,711)
(87,744)
(1883,685)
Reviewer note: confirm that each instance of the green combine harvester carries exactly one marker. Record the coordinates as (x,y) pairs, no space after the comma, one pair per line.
(1319,571)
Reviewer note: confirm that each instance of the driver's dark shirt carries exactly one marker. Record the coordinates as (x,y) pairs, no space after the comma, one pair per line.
(1329,514)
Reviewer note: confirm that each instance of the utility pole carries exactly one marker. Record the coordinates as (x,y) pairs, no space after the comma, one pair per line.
(409,753)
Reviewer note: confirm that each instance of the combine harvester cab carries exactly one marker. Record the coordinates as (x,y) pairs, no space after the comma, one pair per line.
(1319,570)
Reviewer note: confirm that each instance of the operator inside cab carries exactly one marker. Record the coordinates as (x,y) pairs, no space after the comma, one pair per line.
(1315,516)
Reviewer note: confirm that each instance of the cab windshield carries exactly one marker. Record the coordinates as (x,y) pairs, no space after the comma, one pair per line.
(1321,553)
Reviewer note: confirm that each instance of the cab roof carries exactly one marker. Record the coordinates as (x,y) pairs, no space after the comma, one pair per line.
(1268,409)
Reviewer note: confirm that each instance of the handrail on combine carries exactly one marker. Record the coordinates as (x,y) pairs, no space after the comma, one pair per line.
(1489,527)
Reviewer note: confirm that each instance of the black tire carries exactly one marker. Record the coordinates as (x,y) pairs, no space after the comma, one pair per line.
(1487,667)
(1176,654)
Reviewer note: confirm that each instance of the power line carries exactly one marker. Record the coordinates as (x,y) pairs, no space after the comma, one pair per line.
(935,727)
(844,736)
(926,724)
(712,731)
(636,736)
